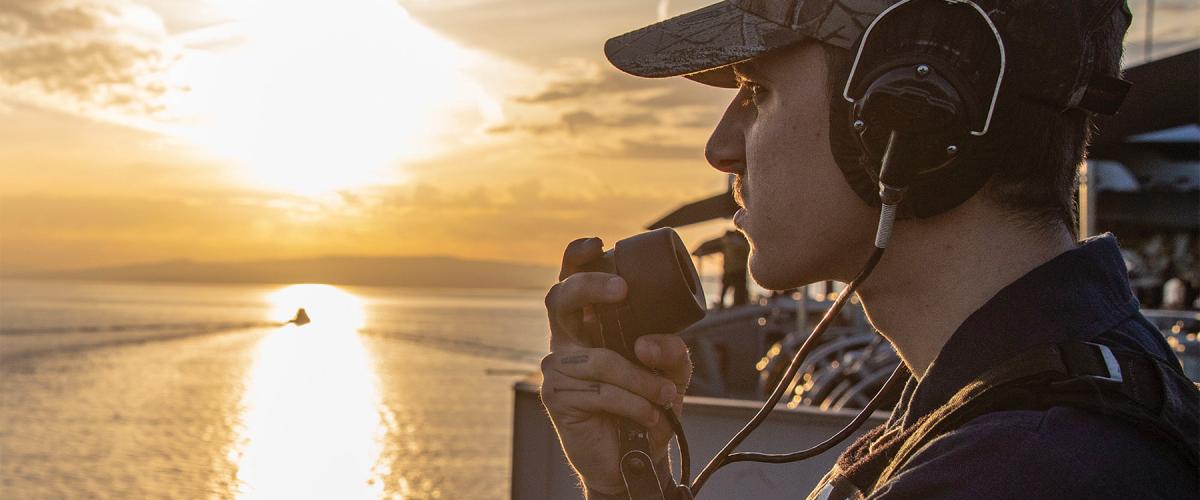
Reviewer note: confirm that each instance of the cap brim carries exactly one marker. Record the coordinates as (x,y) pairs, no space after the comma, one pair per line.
(701,45)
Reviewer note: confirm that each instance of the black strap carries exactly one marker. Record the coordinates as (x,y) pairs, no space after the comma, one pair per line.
(613,334)
(637,468)
(1104,94)
(1129,385)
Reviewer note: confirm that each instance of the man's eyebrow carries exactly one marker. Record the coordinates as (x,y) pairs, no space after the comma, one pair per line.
(747,70)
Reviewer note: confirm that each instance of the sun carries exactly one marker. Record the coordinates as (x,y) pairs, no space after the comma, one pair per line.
(316,97)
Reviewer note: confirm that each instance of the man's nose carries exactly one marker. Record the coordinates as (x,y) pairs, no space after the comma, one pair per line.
(726,148)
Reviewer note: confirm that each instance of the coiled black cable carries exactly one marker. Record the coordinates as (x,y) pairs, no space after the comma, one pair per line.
(898,375)
(891,196)
(727,456)
(685,459)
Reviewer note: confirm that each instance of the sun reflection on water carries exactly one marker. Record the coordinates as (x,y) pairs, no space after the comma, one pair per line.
(311,424)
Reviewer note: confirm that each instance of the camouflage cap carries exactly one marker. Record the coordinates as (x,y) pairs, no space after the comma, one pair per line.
(1047,42)
(702,44)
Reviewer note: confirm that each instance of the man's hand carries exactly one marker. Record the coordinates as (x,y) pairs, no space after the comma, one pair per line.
(585,388)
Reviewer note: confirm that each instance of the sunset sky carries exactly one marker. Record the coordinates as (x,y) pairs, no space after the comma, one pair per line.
(135,131)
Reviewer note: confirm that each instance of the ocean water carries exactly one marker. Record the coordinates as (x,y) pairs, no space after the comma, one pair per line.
(114,390)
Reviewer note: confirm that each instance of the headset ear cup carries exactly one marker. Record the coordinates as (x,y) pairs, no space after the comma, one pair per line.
(936,193)
(847,151)
(929,72)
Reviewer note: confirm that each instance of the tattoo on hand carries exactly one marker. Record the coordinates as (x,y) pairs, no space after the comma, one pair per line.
(574,359)
(590,388)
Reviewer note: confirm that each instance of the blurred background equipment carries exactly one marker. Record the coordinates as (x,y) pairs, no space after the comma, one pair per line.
(1142,182)
(735,252)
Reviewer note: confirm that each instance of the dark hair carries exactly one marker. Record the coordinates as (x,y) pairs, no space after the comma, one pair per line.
(1034,151)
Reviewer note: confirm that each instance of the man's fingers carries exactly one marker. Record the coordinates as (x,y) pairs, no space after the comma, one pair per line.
(666,353)
(608,367)
(569,398)
(581,289)
(567,300)
(578,253)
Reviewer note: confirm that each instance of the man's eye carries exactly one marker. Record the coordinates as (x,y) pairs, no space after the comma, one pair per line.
(752,92)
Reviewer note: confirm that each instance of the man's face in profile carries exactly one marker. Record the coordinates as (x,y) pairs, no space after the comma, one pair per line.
(802,219)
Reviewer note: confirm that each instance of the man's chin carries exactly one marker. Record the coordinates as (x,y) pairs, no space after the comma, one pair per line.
(774,275)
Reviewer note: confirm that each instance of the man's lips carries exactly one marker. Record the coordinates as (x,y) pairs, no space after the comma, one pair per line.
(739,197)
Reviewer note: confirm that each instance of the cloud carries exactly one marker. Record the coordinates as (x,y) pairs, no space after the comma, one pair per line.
(527,219)
(578,121)
(571,93)
(528,214)
(588,97)
(685,95)
(532,31)
(656,150)
(100,56)
(27,18)
(91,73)
(47,231)
(591,82)
(604,83)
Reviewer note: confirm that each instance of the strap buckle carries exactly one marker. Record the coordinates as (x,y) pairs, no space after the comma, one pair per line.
(637,468)
(1110,363)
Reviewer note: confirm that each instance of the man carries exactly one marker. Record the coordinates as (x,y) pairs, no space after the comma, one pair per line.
(978,274)
(735,251)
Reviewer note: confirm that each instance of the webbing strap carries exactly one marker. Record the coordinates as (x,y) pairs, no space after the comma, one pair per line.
(1124,384)
(642,481)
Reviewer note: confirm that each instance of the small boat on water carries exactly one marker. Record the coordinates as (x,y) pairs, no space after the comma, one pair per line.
(301,318)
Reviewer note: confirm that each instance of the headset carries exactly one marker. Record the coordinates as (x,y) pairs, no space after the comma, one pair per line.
(920,94)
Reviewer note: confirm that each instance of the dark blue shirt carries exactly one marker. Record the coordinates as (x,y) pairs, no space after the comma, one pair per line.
(1062,452)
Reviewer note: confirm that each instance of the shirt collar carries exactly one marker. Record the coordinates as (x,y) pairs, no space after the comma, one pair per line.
(1077,295)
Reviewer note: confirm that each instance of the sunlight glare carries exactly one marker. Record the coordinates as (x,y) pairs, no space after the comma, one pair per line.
(330,308)
(311,425)
(316,97)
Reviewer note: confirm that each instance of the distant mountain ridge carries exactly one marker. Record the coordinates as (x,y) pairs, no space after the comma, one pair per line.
(418,272)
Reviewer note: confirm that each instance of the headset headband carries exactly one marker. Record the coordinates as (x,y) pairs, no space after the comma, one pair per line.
(999,45)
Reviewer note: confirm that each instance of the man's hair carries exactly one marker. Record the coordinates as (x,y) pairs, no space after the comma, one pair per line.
(1033,151)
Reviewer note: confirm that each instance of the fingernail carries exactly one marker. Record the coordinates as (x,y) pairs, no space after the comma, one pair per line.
(667,394)
(650,352)
(653,418)
(615,286)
